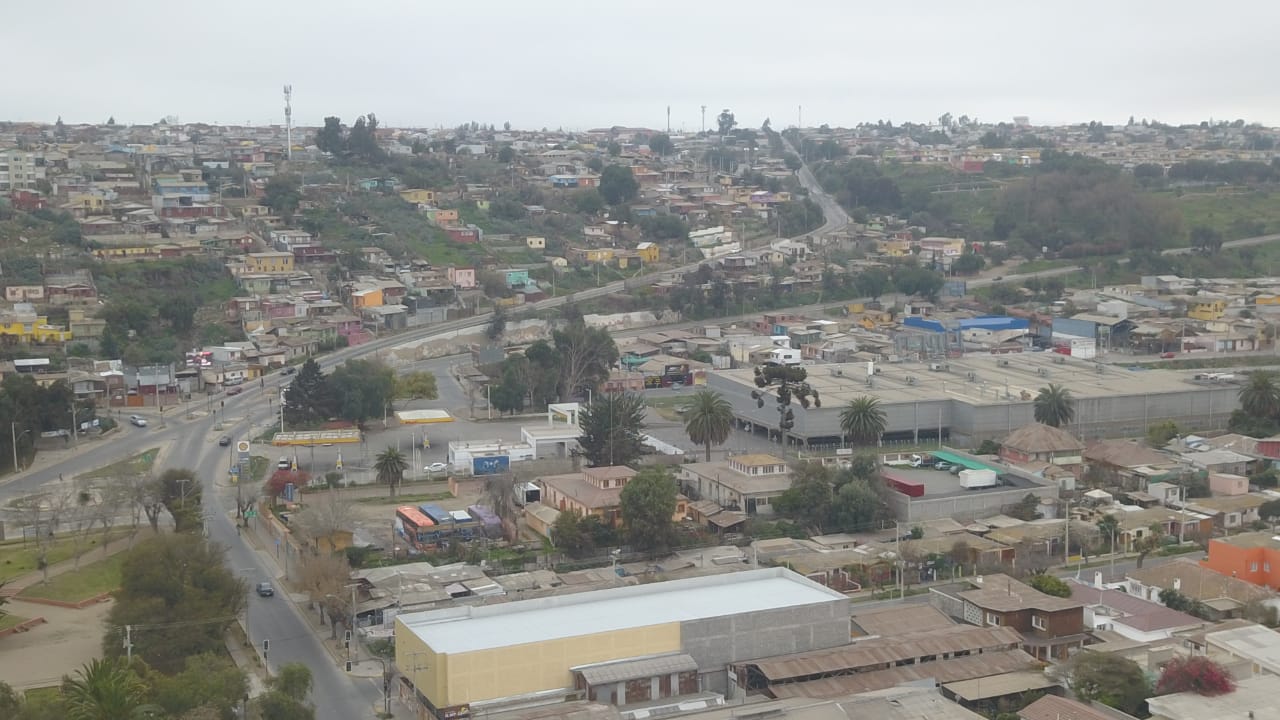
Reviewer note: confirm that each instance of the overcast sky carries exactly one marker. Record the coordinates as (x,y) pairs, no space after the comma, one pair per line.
(581,64)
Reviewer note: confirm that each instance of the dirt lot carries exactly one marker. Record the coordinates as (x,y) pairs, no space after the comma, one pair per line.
(372,511)
(41,657)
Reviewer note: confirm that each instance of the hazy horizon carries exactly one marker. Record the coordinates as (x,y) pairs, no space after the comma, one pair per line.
(578,65)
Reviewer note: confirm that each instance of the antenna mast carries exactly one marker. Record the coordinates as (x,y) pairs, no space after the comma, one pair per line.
(288,122)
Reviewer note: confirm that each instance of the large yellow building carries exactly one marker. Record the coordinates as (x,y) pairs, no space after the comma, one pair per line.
(31,329)
(641,643)
(269,262)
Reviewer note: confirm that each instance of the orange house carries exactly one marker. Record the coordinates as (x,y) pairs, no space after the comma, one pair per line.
(1253,557)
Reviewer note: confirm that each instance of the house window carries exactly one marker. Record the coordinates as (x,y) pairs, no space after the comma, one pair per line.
(1253,567)
(1037,622)
(993,619)
(1266,566)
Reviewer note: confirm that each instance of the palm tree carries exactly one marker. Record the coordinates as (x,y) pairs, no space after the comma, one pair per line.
(390,466)
(1109,526)
(1053,406)
(106,690)
(863,420)
(708,419)
(1260,398)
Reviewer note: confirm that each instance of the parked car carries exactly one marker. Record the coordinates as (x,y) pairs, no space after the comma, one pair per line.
(137,421)
(234,390)
(1167,355)
(224,441)
(942,465)
(265,590)
(436,467)
(289,370)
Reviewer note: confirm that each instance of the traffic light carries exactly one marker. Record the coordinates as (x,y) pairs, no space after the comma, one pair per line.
(266,645)
(348,666)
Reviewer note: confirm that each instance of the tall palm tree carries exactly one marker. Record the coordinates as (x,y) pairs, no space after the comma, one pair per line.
(1261,396)
(1053,406)
(390,466)
(863,420)
(1109,526)
(106,690)
(708,419)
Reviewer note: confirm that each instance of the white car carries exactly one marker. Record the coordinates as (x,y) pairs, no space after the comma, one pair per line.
(436,467)
(137,421)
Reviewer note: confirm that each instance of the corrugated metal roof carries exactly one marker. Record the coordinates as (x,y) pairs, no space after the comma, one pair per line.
(623,670)
(983,665)
(886,651)
(1000,685)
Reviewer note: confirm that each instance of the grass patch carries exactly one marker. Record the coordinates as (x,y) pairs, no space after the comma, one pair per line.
(9,620)
(1213,362)
(89,581)
(258,466)
(1235,215)
(19,558)
(136,465)
(668,407)
(406,499)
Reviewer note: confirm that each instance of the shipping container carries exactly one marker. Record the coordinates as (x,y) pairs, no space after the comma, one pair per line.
(910,488)
(974,479)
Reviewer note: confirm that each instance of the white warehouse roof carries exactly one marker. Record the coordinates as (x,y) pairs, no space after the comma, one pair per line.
(470,628)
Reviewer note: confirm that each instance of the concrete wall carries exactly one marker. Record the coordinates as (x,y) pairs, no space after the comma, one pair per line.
(965,507)
(1199,407)
(716,642)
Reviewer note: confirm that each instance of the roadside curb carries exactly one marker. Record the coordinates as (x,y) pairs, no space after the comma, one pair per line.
(23,626)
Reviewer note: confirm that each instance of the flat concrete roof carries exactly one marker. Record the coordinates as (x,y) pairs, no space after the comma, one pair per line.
(838,383)
(466,629)
(941,483)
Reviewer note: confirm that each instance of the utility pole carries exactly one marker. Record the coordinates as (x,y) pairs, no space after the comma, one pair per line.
(1066,550)
(13,439)
(75,438)
(668,119)
(128,643)
(799,116)
(704,118)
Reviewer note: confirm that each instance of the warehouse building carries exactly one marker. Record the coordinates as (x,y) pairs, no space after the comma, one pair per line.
(667,643)
(976,398)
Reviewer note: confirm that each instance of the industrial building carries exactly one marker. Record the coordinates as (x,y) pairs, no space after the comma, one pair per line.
(976,398)
(667,643)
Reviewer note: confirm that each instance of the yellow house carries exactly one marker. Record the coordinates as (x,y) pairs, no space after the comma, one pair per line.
(418,196)
(536,243)
(371,297)
(89,204)
(598,255)
(441,216)
(1208,309)
(269,262)
(1267,300)
(894,248)
(648,252)
(32,329)
(482,204)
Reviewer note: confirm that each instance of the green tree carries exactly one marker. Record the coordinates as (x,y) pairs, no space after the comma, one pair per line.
(417,385)
(1027,509)
(282,194)
(294,680)
(588,201)
(708,419)
(207,680)
(506,154)
(1109,528)
(182,495)
(664,227)
(618,185)
(792,161)
(331,138)
(648,502)
(1206,239)
(1053,406)
(612,429)
(571,534)
(809,499)
(1159,434)
(1260,397)
(1050,585)
(308,400)
(389,468)
(509,394)
(1270,511)
(968,264)
(914,280)
(497,322)
(584,355)
(362,389)
(179,589)
(661,144)
(725,121)
(106,690)
(863,420)
(180,313)
(614,148)
(1107,678)
(275,705)
(857,506)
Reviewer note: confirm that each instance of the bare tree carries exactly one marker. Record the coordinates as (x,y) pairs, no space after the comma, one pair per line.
(321,519)
(146,494)
(323,577)
(110,502)
(42,513)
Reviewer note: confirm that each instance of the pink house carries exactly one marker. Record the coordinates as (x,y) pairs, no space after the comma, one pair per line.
(1228,484)
(463,278)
